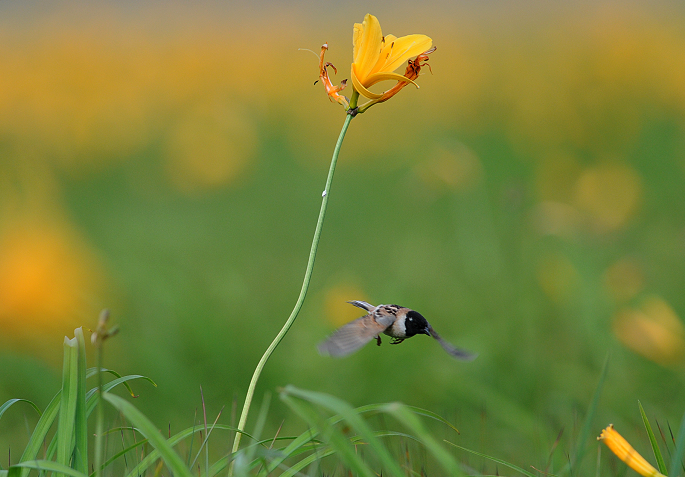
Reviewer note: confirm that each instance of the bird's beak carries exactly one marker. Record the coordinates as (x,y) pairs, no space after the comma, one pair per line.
(427,331)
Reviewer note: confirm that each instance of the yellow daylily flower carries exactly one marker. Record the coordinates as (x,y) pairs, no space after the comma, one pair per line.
(626,453)
(377,57)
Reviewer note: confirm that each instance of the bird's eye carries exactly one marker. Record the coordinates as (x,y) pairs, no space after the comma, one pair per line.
(411,319)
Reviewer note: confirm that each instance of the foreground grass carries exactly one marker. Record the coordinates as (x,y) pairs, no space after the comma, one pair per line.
(337,438)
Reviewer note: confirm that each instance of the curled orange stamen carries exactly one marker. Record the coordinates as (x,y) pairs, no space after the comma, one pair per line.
(331,91)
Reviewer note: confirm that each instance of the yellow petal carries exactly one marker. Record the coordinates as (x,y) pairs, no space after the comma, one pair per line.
(378,77)
(356,39)
(360,87)
(399,50)
(367,45)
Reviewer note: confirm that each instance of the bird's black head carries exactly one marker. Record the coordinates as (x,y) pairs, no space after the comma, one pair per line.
(415,324)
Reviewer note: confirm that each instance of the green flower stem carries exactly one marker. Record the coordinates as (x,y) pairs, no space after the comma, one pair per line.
(305,284)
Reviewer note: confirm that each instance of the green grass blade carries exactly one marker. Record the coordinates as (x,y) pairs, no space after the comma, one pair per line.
(259,425)
(494,459)
(152,456)
(677,458)
(40,431)
(172,460)
(121,453)
(353,418)
(310,459)
(93,371)
(204,445)
(406,416)
(50,466)
(81,418)
(587,425)
(9,404)
(297,443)
(652,440)
(330,434)
(310,435)
(68,403)
(432,415)
(92,398)
(222,463)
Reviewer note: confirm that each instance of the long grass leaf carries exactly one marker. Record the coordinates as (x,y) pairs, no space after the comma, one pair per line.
(310,435)
(152,456)
(93,371)
(148,429)
(222,463)
(40,431)
(91,396)
(121,453)
(67,408)
(409,420)
(208,432)
(330,434)
(432,415)
(81,418)
(310,459)
(652,440)
(587,425)
(5,406)
(353,418)
(494,459)
(50,466)
(677,458)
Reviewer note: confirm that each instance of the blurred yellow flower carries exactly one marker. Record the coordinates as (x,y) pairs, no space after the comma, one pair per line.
(377,57)
(210,147)
(624,279)
(654,330)
(626,453)
(558,277)
(610,193)
(338,311)
(50,280)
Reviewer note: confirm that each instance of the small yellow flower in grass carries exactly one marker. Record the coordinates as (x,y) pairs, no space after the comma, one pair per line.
(624,451)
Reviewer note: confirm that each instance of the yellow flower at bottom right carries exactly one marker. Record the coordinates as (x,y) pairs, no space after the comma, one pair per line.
(624,451)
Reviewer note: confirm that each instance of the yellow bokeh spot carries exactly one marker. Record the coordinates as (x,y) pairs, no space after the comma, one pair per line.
(338,311)
(610,193)
(624,279)
(209,147)
(557,277)
(49,280)
(555,175)
(455,168)
(556,218)
(654,331)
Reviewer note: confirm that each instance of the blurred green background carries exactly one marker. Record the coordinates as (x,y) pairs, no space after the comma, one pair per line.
(166,161)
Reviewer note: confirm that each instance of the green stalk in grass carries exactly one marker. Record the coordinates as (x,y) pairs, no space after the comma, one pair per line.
(98,338)
(373,62)
(305,284)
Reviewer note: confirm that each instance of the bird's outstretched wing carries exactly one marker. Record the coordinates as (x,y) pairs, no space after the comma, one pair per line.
(352,336)
(453,351)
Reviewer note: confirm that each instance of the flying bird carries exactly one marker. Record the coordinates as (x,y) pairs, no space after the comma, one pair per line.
(395,321)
